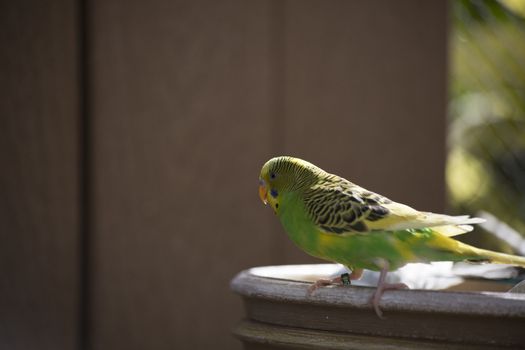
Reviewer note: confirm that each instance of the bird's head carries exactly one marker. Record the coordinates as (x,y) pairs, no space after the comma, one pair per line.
(282,175)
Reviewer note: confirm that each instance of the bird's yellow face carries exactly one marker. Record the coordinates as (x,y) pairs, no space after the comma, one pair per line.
(269,187)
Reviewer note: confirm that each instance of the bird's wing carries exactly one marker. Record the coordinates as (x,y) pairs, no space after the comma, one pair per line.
(344,208)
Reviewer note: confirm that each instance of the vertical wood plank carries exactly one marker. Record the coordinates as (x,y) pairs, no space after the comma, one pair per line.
(365,94)
(39,197)
(181,127)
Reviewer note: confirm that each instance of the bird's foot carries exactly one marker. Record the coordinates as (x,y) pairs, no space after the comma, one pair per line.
(381,288)
(324,282)
(345,279)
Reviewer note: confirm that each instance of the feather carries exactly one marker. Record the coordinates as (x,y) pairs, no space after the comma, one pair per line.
(425,219)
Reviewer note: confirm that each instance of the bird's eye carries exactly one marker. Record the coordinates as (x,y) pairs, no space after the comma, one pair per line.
(272,176)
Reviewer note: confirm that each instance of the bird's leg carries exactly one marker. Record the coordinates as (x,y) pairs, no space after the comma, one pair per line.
(382,286)
(344,279)
(356,274)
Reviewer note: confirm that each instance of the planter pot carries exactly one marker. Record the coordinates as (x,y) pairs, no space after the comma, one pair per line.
(280,314)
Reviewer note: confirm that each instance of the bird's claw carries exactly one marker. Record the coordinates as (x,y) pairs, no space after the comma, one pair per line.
(376,297)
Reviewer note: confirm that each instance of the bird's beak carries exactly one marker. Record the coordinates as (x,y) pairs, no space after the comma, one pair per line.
(263,193)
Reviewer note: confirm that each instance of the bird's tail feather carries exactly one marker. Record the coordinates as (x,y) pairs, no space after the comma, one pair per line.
(467,220)
(457,225)
(483,255)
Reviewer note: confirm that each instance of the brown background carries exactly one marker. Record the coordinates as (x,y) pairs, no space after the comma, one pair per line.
(132,134)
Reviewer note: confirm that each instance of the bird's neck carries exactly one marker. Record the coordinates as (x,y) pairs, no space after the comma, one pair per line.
(296,223)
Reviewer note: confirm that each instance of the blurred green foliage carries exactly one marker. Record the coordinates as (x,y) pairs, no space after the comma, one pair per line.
(486,162)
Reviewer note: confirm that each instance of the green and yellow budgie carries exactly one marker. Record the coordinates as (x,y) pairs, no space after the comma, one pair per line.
(333,219)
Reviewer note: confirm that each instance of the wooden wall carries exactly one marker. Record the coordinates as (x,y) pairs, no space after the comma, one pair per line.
(184,101)
(39,176)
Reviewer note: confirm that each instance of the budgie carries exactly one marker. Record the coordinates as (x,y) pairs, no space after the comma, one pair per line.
(331,218)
